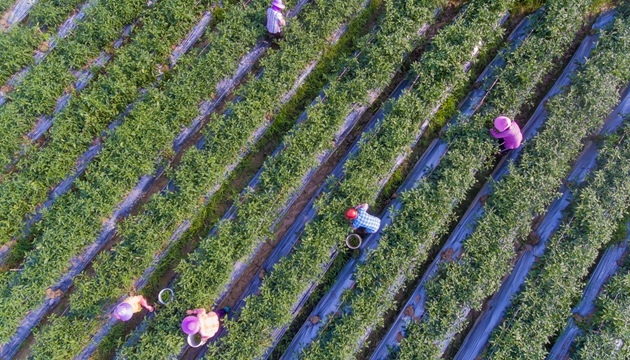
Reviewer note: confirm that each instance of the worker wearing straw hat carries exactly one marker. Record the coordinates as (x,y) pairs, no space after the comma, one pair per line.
(131,305)
(207,324)
(508,134)
(275,19)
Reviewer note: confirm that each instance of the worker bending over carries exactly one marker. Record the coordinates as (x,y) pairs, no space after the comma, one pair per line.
(275,19)
(131,305)
(205,323)
(361,220)
(509,134)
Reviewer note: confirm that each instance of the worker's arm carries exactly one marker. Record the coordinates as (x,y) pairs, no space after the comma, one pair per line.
(362,206)
(500,135)
(282,21)
(145,304)
(196,311)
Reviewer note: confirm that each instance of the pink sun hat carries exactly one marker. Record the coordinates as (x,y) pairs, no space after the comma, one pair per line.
(123,312)
(278,4)
(502,123)
(191,325)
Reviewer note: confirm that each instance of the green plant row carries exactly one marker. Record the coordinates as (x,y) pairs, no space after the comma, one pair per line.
(440,69)
(282,175)
(427,209)
(609,332)
(162,218)
(202,170)
(378,280)
(88,114)
(131,151)
(19,44)
(526,191)
(556,282)
(5,5)
(38,92)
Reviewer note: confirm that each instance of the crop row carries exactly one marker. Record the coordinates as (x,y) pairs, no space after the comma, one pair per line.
(22,40)
(425,209)
(355,305)
(86,116)
(465,153)
(440,69)
(282,175)
(494,310)
(609,263)
(189,175)
(552,288)
(5,5)
(44,83)
(609,331)
(75,220)
(149,232)
(527,190)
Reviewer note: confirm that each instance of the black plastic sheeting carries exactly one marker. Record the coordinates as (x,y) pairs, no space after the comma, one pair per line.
(607,267)
(79,263)
(287,243)
(467,225)
(478,336)
(331,302)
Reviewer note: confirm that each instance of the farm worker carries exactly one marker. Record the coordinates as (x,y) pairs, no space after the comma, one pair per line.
(275,19)
(131,305)
(509,134)
(205,323)
(361,220)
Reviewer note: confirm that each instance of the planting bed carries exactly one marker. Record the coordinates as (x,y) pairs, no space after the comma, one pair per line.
(131,127)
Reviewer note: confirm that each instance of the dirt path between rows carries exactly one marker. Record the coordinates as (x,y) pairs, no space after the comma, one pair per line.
(322,173)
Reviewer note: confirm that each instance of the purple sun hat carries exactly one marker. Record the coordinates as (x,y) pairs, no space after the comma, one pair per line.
(123,312)
(502,123)
(278,4)
(191,325)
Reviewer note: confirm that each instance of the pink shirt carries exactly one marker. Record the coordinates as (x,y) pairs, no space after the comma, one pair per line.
(512,136)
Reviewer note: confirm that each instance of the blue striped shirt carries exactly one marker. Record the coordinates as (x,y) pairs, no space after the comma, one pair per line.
(274,21)
(364,220)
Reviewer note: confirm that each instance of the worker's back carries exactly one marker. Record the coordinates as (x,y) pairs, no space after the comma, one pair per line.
(209,324)
(274,20)
(364,220)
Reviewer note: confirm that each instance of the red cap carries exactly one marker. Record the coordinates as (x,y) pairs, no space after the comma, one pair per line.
(351,213)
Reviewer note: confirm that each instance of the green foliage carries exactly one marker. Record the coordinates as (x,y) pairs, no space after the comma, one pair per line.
(282,174)
(526,191)
(609,332)
(75,220)
(24,38)
(250,335)
(202,170)
(556,281)
(38,93)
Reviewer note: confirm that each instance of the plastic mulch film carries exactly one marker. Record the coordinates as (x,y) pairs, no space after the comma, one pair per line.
(65,29)
(606,268)
(331,302)
(287,243)
(43,124)
(491,316)
(83,78)
(285,246)
(108,228)
(17,13)
(177,234)
(351,120)
(467,224)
